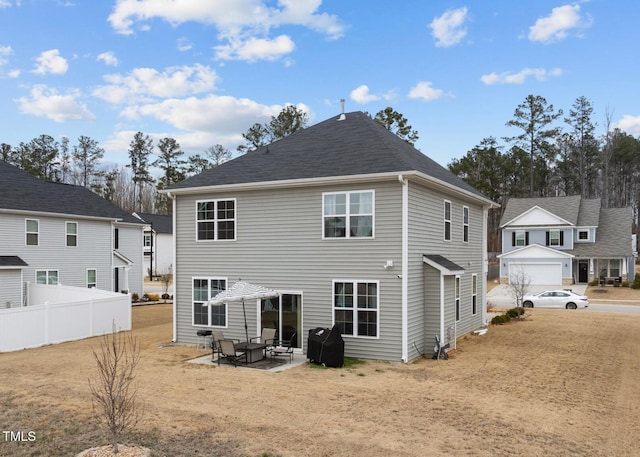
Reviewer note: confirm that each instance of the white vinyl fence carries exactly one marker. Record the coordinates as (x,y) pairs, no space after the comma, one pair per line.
(62,313)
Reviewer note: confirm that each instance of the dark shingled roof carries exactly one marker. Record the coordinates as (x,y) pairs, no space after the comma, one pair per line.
(161,223)
(12,261)
(443,262)
(567,208)
(613,236)
(21,191)
(356,145)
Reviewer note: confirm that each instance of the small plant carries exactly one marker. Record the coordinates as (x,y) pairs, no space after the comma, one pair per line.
(135,297)
(594,283)
(515,312)
(500,319)
(625,283)
(636,282)
(114,393)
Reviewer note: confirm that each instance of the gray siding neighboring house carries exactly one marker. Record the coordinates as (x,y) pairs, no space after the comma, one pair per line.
(566,240)
(158,243)
(63,234)
(353,225)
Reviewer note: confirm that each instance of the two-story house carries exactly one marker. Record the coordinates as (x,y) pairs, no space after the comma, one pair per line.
(157,242)
(62,234)
(355,228)
(565,240)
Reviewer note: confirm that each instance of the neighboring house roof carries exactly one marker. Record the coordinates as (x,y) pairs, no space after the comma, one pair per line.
(568,208)
(161,223)
(21,191)
(12,261)
(347,145)
(613,236)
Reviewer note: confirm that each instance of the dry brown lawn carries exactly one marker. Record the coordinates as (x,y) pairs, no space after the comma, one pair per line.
(558,383)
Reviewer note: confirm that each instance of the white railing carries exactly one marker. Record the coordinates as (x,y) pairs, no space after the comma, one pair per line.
(62,313)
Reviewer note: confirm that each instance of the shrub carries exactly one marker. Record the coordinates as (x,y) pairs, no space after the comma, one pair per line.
(501,319)
(135,297)
(625,283)
(515,312)
(636,282)
(153,297)
(594,283)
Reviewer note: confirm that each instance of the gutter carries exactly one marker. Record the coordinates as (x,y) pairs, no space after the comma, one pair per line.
(175,266)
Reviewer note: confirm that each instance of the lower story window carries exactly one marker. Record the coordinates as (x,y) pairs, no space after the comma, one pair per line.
(355,307)
(92,278)
(203,290)
(47,277)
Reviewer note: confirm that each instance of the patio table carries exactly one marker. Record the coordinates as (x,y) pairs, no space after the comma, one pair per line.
(254,351)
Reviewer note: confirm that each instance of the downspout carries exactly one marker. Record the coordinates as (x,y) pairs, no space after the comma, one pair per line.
(405,268)
(175,267)
(442,340)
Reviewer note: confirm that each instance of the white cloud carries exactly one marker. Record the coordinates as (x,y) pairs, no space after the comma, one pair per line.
(448,29)
(243,25)
(254,49)
(184,44)
(361,95)
(147,84)
(629,124)
(51,62)
(540,74)
(5,51)
(558,24)
(109,59)
(424,91)
(47,102)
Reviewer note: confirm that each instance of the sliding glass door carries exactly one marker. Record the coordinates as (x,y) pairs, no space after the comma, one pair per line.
(284,313)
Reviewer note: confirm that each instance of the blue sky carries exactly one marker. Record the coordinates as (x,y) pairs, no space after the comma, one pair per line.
(203,71)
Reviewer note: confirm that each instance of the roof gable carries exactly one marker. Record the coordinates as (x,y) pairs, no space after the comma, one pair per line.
(349,145)
(537,216)
(573,209)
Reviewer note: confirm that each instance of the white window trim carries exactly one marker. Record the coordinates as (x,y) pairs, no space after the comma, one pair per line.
(355,283)
(66,233)
(215,220)
(587,239)
(445,221)
(465,225)
(348,215)
(96,278)
(551,240)
(193,301)
(47,274)
(524,238)
(474,293)
(456,293)
(27,232)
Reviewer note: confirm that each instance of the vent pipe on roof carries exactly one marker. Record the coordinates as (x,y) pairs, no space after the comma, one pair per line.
(342,116)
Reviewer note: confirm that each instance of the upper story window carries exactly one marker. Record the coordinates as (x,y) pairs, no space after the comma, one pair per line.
(72,233)
(32,232)
(447,220)
(146,240)
(216,220)
(465,224)
(520,238)
(348,214)
(583,235)
(555,238)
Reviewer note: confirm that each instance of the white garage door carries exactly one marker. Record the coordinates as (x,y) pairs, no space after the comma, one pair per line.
(537,273)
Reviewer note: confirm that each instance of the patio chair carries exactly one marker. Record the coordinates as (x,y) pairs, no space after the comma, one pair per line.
(216,336)
(268,338)
(228,351)
(284,348)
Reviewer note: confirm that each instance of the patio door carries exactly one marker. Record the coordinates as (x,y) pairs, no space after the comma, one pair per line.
(284,313)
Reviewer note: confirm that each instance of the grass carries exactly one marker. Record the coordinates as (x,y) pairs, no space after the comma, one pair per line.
(349,363)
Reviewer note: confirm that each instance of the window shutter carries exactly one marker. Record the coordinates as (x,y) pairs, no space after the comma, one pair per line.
(561,238)
(513,238)
(526,238)
(547,239)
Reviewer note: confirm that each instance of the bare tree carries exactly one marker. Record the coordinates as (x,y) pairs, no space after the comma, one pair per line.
(519,283)
(114,392)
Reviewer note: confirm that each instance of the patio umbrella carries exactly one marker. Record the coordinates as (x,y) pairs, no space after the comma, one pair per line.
(242,291)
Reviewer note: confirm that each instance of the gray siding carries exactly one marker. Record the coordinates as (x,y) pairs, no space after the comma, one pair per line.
(426,236)
(279,245)
(93,250)
(10,288)
(130,245)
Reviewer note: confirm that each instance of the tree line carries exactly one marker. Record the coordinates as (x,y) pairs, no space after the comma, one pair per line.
(554,154)
(131,186)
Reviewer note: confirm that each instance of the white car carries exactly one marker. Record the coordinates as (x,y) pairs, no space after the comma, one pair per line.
(556,299)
